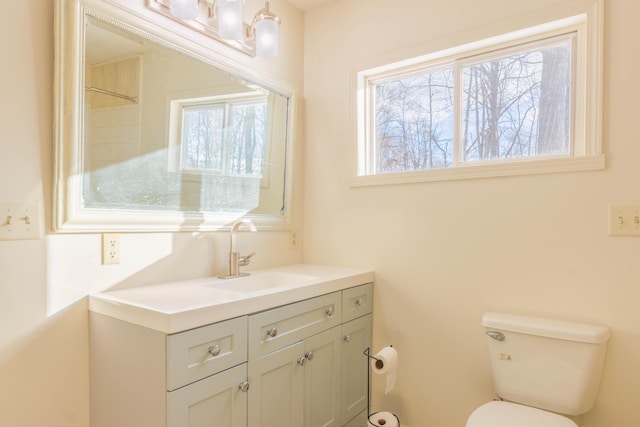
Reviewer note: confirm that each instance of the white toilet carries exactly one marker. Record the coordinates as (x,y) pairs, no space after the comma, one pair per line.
(541,368)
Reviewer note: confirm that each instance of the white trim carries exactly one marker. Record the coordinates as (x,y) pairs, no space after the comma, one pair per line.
(485,170)
(68,213)
(586,133)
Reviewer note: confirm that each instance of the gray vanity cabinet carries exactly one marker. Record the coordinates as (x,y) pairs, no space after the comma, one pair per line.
(296,365)
(298,385)
(289,349)
(306,361)
(145,378)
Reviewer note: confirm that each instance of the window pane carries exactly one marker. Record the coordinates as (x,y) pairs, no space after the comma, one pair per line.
(518,105)
(245,138)
(202,138)
(233,145)
(414,122)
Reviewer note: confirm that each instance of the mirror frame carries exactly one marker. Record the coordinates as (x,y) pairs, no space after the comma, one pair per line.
(68,214)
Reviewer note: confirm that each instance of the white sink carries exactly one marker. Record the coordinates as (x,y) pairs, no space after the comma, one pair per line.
(178,306)
(261,282)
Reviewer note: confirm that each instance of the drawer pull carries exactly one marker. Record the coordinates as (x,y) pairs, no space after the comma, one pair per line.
(329,312)
(359,302)
(272,332)
(214,350)
(244,386)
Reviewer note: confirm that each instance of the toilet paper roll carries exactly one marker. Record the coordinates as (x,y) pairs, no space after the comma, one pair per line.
(383,419)
(385,362)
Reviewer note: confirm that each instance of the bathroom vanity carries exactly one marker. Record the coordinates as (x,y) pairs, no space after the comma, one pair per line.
(279,348)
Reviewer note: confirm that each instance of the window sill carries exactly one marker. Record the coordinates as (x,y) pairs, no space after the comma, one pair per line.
(512,168)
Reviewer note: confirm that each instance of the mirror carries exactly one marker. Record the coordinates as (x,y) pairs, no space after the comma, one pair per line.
(155,134)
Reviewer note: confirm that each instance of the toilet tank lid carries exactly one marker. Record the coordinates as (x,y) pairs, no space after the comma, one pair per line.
(559,329)
(507,414)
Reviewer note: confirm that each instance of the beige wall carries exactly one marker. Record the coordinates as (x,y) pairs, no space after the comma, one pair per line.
(446,252)
(443,252)
(43,283)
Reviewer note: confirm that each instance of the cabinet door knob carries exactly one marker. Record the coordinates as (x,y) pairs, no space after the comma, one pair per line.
(309,355)
(329,312)
(214,350)
(244,386)
(272,332)
(359,302)
(301,360)
(347,338)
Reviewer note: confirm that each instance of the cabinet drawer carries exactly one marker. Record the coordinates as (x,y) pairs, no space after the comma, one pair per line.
(198,353)
(357,302)
(280,327)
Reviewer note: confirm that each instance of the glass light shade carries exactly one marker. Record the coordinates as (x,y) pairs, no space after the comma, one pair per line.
(230,19)
(267,38)
(184,9)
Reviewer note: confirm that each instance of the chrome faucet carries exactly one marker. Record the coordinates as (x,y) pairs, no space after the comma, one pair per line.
(235,259)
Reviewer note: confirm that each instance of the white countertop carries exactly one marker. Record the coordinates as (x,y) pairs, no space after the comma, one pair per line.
(177,306)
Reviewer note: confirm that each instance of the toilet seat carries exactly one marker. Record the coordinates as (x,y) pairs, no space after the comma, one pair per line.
(507,414)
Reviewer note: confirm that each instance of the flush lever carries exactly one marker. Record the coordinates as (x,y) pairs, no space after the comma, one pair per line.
(498,336)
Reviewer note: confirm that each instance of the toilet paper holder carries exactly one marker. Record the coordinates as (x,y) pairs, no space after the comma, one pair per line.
(379,364)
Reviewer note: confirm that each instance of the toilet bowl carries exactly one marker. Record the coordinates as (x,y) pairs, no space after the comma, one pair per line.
(541,368)
(507,414)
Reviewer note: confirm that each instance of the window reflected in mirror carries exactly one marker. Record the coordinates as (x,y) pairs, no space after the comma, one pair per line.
(163,132)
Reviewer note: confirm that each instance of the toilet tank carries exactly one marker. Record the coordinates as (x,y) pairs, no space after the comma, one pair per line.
(549,364)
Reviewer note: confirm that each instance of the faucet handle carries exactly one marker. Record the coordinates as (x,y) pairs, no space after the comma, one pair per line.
(245,260)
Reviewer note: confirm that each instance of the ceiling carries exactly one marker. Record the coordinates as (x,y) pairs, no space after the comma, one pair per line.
(307,4)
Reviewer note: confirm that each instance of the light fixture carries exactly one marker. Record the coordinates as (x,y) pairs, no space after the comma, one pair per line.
(230,23)
(265,25)
(223,21)
(184,9)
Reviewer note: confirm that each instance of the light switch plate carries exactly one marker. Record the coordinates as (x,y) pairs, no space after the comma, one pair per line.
(624,220)
(19,221)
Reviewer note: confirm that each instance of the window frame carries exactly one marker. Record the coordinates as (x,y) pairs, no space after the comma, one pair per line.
(586,115)
(176,134)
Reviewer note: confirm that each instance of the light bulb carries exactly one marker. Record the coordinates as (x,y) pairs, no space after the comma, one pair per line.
(267,38)
(230,19)
(184,9)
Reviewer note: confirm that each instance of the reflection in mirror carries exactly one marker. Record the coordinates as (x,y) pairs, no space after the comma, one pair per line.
(164,133)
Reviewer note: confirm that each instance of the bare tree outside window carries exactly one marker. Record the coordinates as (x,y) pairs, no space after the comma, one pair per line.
(517,105)
(246,138)
(202,138)
(414,122)
(225,138)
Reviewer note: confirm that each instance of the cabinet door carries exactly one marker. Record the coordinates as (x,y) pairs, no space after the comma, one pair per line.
(277,388)
(355,366)
(322,379)
(214,401)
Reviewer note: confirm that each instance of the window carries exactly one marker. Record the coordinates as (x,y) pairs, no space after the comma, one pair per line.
(524,102)
(224,137)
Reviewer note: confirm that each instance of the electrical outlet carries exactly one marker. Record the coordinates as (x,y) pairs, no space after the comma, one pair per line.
(624,220)
(293,238)
(110,249)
